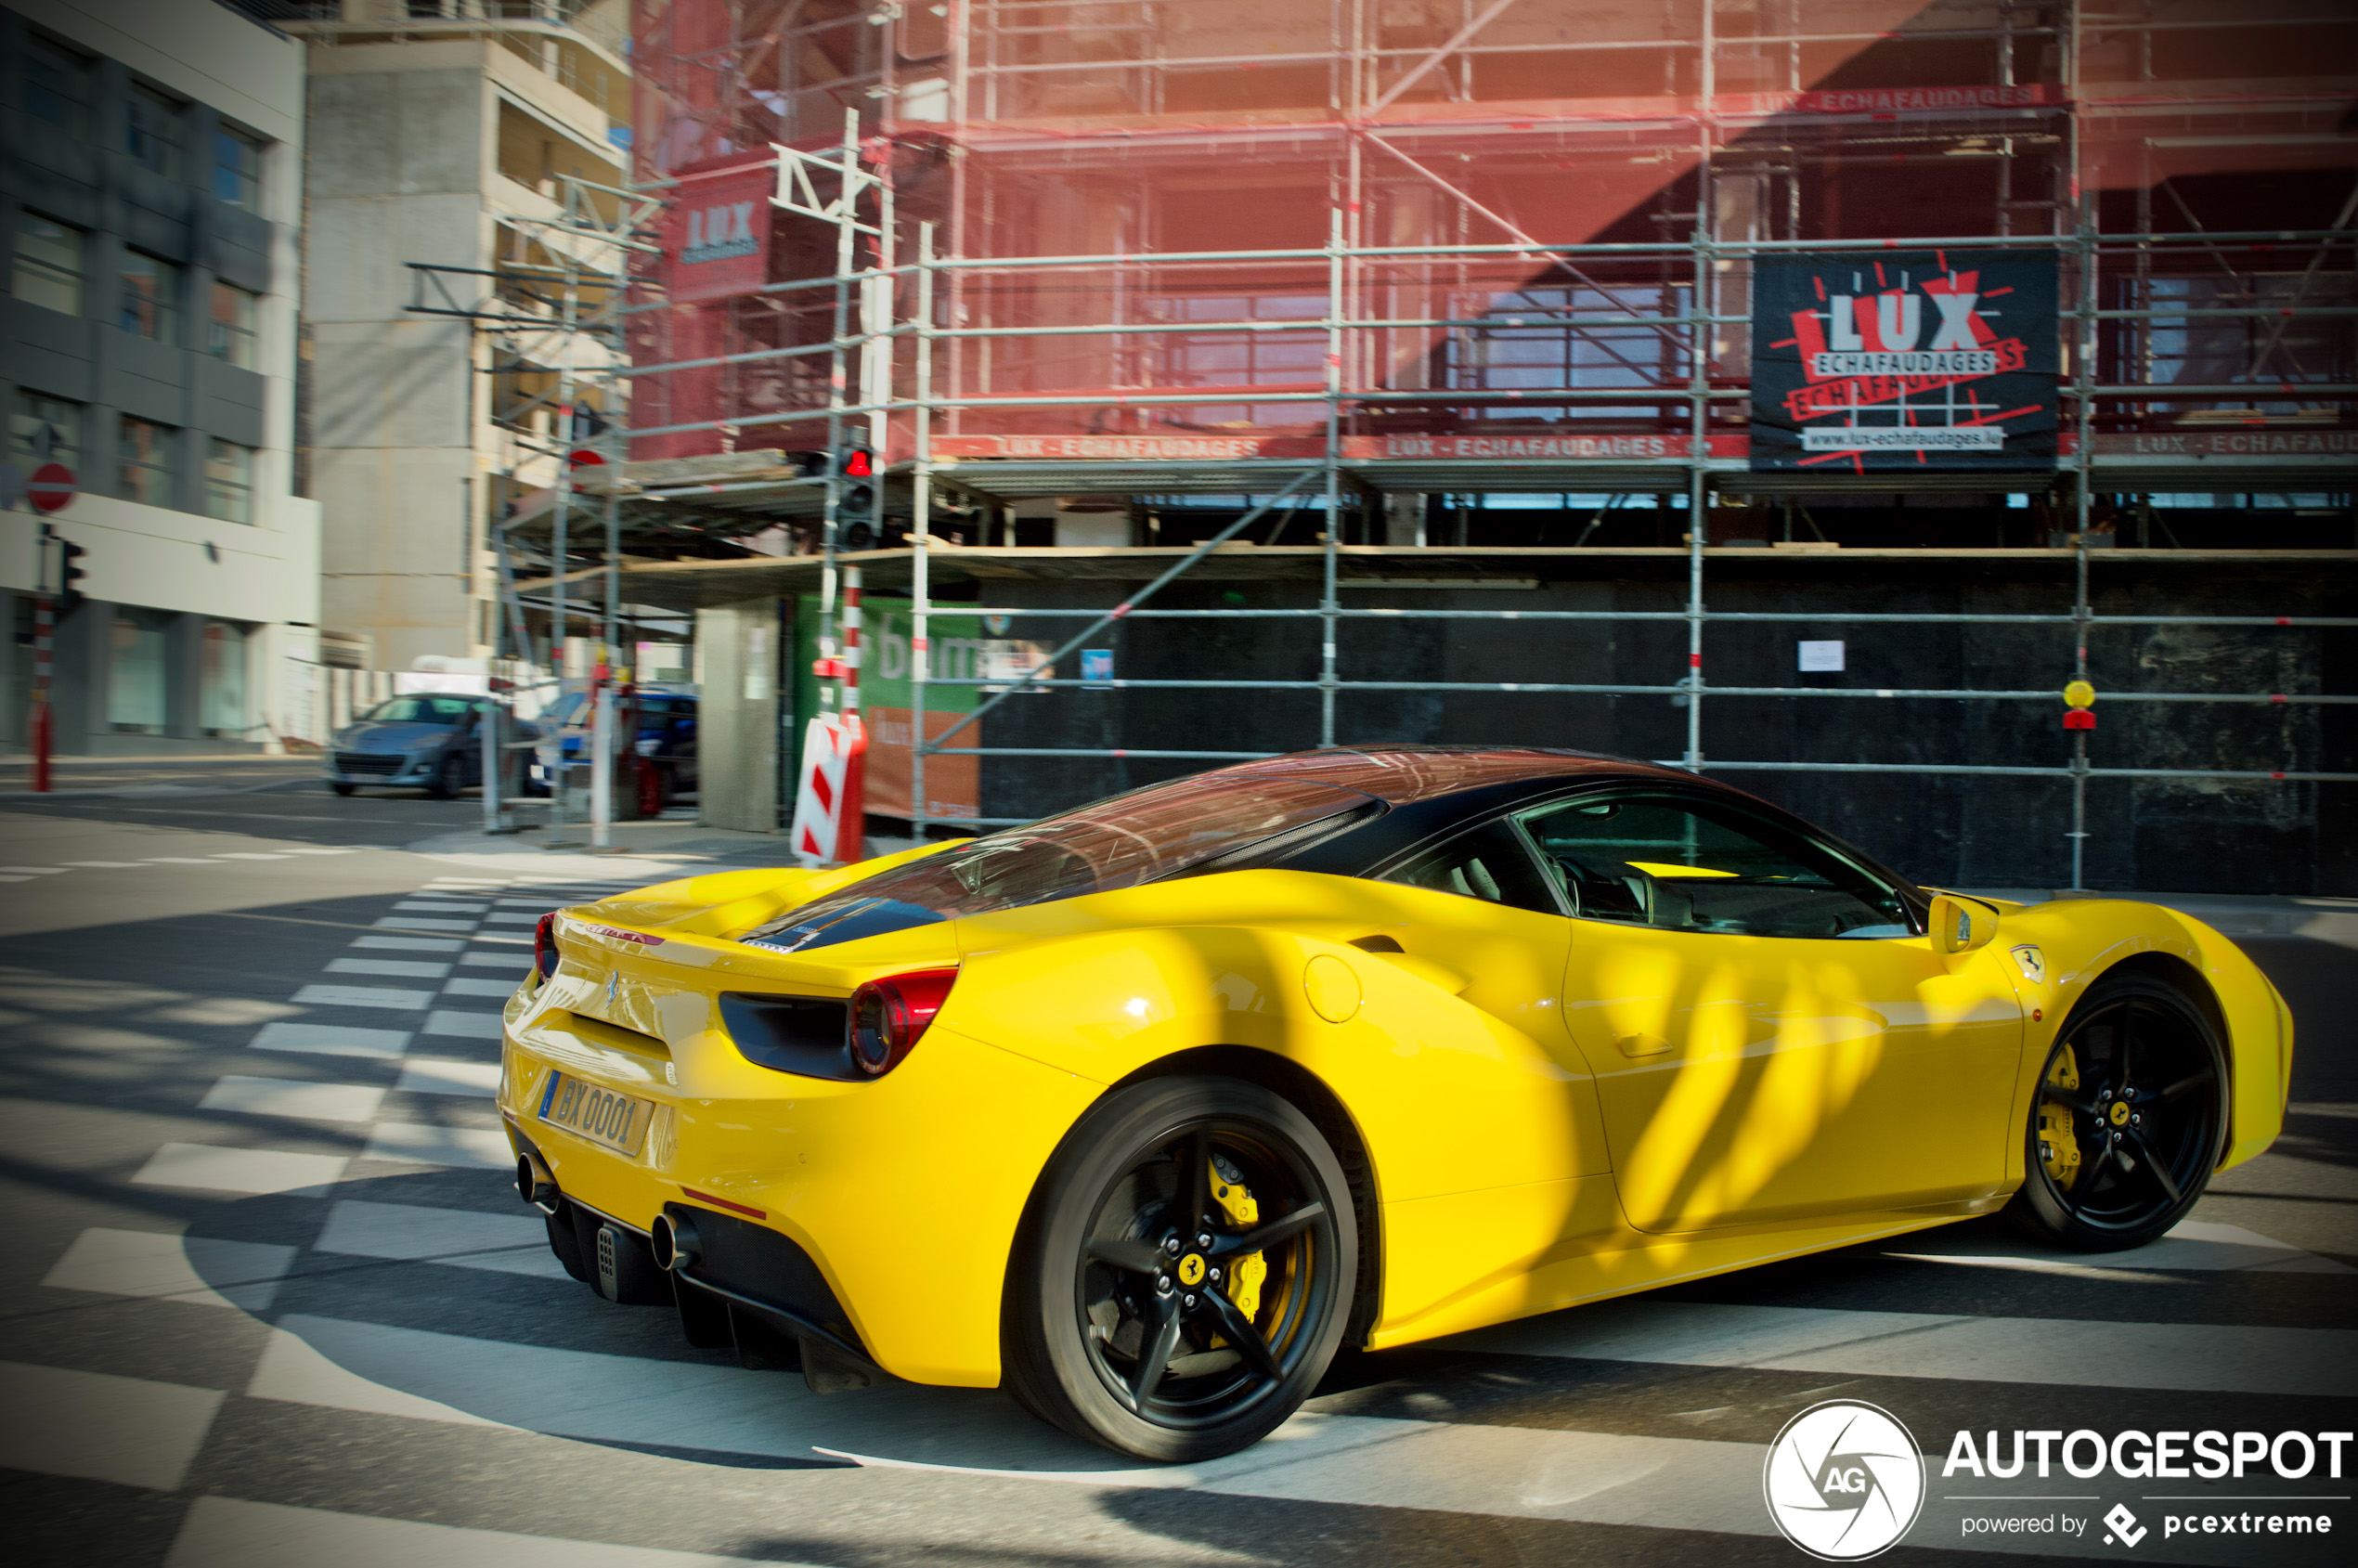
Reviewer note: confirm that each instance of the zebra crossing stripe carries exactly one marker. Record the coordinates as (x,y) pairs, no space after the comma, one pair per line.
(232,1533)
(501,1243)
(254,1172)
(331,1040)
(2184,1357)
(200,1271)
(298,1098)
(100,1427)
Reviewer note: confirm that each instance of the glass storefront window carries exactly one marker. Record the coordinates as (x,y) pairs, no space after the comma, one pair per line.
(57,88)
(35,412)
(48,264)
(228,481)
(236,168)
(135,673)
(145,472)
(222,698)
(150,302)
(229,333)
(152,134)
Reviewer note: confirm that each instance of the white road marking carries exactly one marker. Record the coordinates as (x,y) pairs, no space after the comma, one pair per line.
(463,986)
(421,923)
(502,1243)
(464,1026)
(331,1040)
(475,1148)
(294,1368)
(320,851)
(410,944)
(1909,1345)
(248,855)
(496,918)
(436,906)
(427,1075)
(397,968)
(214,1167)
(107,865)
(199,1270)
(19,879)
(128,1430)
(515,961)
(2194,1245)
(228,1533)
(36,870)
(361,996)
(179,860)
(481,937)
(520,903)
(295,1097)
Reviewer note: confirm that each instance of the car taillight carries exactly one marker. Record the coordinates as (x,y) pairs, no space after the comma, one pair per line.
(544,945)
(890,1016)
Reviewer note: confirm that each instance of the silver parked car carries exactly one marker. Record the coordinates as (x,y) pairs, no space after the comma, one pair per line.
(426,740)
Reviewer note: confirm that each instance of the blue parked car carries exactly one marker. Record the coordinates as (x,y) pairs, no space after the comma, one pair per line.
(658,762)
(427,740)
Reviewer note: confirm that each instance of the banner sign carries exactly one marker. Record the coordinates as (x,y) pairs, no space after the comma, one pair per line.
(1905,360)
(1531,442)
(717,234)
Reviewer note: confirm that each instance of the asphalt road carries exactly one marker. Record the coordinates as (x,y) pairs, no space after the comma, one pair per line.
(267,1299)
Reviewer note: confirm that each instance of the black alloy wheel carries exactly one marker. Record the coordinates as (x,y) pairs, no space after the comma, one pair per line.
(341,787)
(450,777)
(1186,1271)
(2128,1121)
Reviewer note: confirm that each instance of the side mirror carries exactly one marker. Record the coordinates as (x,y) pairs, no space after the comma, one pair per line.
(1960,925)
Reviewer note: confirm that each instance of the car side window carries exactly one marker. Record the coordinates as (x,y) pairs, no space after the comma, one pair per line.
(1684,866)
(1488,863)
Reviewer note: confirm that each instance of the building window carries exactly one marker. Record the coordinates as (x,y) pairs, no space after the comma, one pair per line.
(48,264)
(147,461)
(229,334)
(35,413)
(220,700)
(57,86)
(236,168)
(228,481)
(152,135)
(135,673)
(150,303)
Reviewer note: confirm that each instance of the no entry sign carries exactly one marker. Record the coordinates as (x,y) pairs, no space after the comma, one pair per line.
(51,486)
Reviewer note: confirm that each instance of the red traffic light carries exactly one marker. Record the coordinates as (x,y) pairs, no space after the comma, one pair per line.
(857,464)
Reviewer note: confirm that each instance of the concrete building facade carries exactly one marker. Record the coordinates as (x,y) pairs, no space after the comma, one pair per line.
(441,134)
(150,193)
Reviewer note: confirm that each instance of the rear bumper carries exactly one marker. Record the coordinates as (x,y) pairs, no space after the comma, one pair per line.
(881,1214)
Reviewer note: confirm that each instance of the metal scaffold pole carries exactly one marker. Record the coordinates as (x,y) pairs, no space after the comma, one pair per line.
(1327,604)
(921,541)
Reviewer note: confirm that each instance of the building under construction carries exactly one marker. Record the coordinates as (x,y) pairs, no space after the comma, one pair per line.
(1804,390)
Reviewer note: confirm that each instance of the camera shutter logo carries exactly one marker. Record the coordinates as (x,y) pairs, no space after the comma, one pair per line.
(1844,1480)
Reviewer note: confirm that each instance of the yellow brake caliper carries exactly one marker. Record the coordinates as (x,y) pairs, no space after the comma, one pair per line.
(2058,1149)
(1246,1275)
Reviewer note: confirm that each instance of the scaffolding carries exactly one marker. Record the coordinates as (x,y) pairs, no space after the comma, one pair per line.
(1437,323)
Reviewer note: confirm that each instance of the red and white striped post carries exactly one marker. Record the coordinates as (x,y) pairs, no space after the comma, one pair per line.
(44,621)
(851,838)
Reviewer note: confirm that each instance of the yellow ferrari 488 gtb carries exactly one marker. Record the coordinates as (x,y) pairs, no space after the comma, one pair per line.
(1145,1109)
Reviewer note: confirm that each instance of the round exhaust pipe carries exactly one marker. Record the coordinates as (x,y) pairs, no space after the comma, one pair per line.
(536,1185)
(675,1242)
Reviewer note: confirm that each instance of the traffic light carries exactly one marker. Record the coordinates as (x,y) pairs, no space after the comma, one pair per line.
(855,501)
(70,555)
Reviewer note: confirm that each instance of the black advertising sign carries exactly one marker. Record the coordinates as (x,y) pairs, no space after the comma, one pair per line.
(1905,360)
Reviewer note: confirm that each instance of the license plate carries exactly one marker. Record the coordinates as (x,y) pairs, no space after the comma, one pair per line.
(602,1115)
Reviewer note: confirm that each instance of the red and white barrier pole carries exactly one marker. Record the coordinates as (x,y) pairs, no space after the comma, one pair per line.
(44,624)
(851,842)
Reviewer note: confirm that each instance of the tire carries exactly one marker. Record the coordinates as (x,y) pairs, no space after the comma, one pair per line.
(2100,1177)
(449,778)
(1107,1333)
(342,788)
